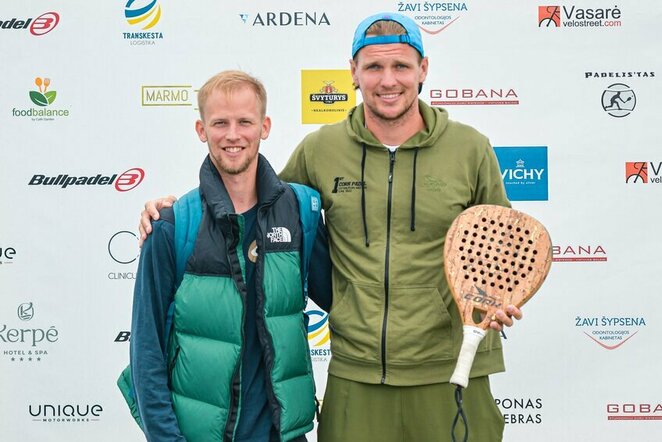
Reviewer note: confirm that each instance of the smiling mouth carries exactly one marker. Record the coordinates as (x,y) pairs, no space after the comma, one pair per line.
(390,96)
(233,149)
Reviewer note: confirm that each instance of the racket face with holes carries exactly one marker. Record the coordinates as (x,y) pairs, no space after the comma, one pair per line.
(495,256)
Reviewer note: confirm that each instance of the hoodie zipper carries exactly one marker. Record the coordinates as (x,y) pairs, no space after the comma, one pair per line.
(391,156)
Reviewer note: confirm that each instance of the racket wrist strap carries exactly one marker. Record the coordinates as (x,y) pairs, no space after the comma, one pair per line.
(472,337)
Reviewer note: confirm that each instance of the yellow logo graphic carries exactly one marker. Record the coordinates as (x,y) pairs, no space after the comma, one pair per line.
(326,95)
(146,16)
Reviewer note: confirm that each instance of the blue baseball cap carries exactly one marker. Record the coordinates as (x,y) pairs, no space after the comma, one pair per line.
(412,38)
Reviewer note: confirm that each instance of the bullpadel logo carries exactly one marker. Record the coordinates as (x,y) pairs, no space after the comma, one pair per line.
(43,98)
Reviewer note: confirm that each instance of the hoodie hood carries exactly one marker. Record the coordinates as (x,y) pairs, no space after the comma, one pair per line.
(436,121)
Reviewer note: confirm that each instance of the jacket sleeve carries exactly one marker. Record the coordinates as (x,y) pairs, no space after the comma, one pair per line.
(296,170)
(489,185)
(153,294)
(319,271)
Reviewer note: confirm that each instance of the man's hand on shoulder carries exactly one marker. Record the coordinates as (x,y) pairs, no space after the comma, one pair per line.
(151,212)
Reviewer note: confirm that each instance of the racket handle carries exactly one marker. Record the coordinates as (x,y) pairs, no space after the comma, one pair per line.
(472,337)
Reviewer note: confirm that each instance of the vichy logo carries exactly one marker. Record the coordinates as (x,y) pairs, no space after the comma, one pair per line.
(474,97)
(279,234)
(433,17)
(27,341)
(284,18)
(556,16)
(610,332)
(41,25)
(520,410)
(524,172)
(142,14)
(618,100)
(7,255)
(126,181)
(51,413)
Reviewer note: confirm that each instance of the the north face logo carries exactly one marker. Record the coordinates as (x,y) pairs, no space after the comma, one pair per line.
(279,234)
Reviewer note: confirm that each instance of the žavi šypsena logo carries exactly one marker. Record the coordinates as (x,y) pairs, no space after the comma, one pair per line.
(618,100)
(44,98)
(524,172)
(144,15)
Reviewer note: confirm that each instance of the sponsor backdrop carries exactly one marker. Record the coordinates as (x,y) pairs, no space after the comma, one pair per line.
(97,111)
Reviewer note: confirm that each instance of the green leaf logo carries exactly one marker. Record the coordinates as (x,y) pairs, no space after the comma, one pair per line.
(50,96)
(39,99)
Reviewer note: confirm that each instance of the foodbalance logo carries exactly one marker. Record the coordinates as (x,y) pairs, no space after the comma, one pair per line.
(43,98)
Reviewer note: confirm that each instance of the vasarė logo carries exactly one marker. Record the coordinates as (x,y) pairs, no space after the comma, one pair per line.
(123,182)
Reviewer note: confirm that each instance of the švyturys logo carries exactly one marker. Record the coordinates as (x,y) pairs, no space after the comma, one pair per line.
(44,98)
(143,15)
(558,16)
(433,17)
(618,100)
(123,182)
(41,25)
(23,342)
(610,332)
(643,172)
(326,95)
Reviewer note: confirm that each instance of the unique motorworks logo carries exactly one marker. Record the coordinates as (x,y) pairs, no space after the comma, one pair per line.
(65,413)
(7,255)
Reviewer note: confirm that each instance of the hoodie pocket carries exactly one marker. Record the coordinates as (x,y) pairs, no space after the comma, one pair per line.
(419,326)
(356,320)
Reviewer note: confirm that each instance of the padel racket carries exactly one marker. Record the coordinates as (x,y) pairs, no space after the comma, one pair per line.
(494,256)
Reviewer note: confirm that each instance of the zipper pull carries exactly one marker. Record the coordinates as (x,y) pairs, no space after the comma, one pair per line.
(391,155)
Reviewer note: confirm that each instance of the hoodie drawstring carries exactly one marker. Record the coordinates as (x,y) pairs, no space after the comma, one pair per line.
(365,222)
(412,224)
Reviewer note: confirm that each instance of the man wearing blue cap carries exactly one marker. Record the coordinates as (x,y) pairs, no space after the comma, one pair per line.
(395,331)
(393,176)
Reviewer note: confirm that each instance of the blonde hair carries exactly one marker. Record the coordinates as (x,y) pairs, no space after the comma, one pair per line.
(230,81)
(385,27)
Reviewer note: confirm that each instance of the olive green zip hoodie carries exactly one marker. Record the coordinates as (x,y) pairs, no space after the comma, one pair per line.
(393,319)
